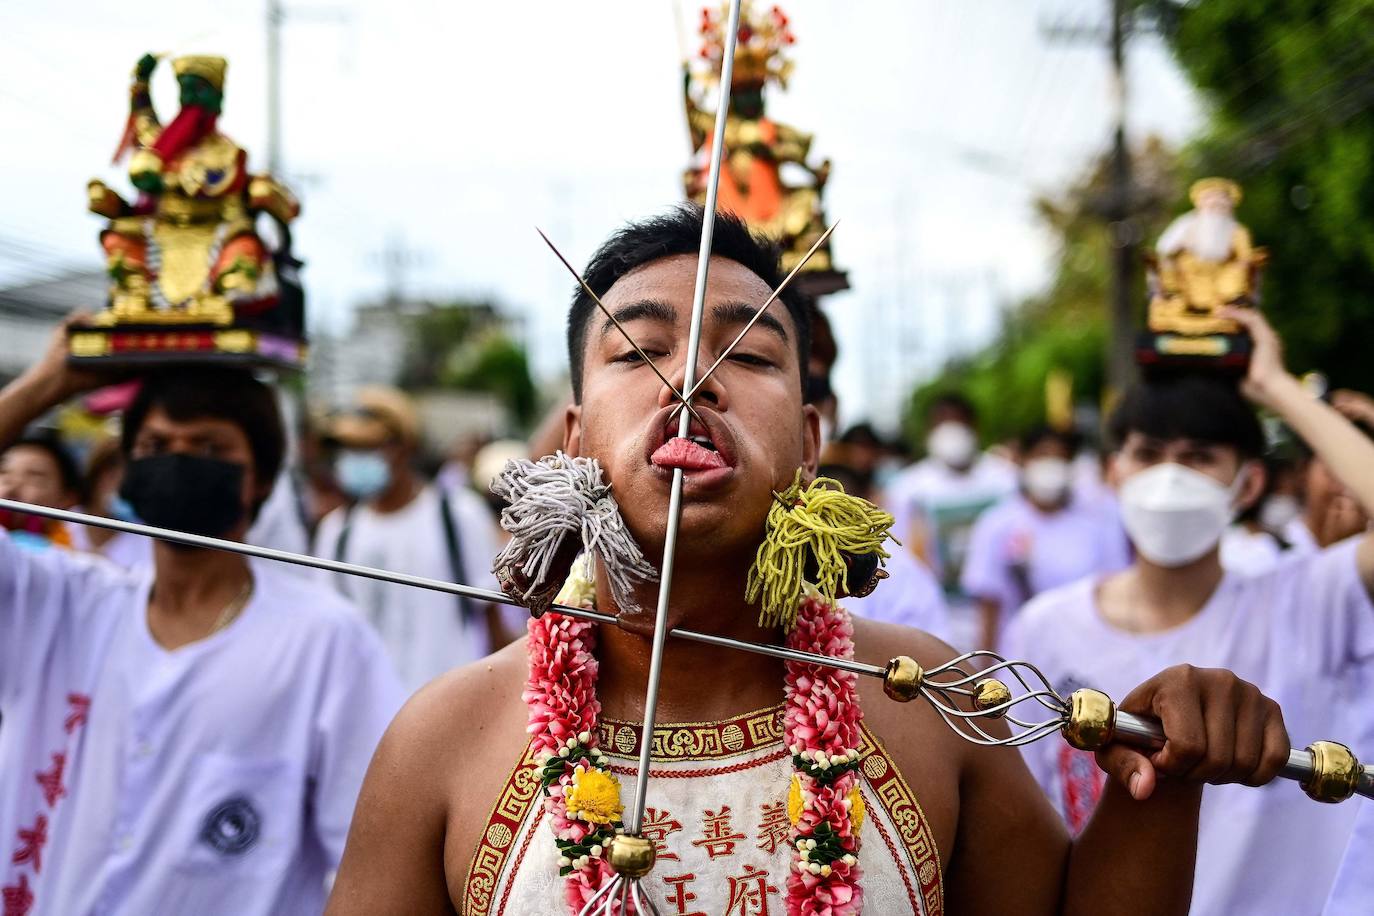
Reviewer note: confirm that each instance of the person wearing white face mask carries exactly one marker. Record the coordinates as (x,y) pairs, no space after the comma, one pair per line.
(1186,463)
(399,522)
(1257,540)
(1041,537)
(935,502)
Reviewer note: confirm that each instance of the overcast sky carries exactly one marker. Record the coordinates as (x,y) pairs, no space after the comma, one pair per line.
(449,130)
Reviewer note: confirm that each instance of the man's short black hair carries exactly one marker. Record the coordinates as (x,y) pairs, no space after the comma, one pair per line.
(955,402)
(1203,408)
(68,472)
(220,393)
(673,233)
(1032,437)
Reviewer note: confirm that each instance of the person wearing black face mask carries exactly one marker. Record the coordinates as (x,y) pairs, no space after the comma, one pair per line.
(232,707)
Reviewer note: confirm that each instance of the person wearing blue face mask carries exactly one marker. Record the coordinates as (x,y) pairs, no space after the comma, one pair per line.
(104,474)
(399,521)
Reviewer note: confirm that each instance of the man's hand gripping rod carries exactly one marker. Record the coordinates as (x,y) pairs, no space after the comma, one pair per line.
(1088,719)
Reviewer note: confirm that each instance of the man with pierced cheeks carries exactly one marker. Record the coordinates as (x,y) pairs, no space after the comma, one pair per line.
(424,824)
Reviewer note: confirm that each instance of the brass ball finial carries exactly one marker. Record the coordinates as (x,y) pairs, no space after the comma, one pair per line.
(631,856)
(1335,772)
(903,678)
(1092,719)
(989,693)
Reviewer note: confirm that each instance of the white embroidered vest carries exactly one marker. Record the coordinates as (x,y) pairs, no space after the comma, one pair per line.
(717,813)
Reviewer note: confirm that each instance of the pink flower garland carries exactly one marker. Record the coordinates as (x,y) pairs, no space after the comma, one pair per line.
(821,725)
(822,730)
(563,709)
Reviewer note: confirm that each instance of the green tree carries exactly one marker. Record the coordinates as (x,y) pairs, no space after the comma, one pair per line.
(1064,328)
(1291,90)
(464,345)
(496,364)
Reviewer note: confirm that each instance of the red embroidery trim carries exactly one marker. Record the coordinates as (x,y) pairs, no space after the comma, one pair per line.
(897,856)
(709,771)
(81,708)
(520,857)
(17,897)
(51,780)
(31,843)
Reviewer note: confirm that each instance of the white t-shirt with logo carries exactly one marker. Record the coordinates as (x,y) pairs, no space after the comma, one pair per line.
(1017,551)
(934,509)
(1302,633)
(219,777)
(425,632)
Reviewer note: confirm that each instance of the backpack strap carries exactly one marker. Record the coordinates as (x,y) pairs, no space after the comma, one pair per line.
(454,546)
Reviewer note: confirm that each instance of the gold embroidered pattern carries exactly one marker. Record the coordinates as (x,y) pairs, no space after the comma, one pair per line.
(503,825)
(695,740)
(901,806)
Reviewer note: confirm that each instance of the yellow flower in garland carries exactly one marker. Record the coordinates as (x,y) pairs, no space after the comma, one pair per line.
(594,796)
(857,809)
(795,801)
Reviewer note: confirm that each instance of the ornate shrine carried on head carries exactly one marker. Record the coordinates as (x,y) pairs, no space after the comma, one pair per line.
(190,275)
(757,148)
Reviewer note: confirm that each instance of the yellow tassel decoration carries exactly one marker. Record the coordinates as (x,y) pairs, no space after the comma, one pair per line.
(817,521)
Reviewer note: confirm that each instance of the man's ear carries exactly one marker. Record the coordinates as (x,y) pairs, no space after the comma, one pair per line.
(1256,479)
(572,431)
(1113,475)
(811,441)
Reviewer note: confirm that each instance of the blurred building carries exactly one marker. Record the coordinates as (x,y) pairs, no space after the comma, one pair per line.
(29,311)
(405,343)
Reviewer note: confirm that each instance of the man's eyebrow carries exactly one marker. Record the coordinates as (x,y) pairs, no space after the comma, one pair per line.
(651,309)
(742,313)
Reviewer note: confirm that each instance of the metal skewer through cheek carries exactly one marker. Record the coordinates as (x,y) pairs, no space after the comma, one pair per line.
(631,856)
(1087,719)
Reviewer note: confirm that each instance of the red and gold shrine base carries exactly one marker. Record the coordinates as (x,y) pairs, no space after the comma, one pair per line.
(1223,354)
(134,346)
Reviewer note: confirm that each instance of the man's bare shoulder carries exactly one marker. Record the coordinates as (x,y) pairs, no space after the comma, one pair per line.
(459,709)
(894,722)
(432,781)
(930,757)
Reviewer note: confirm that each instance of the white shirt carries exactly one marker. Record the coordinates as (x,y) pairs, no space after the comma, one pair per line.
(216,778)
(424,631)
(1247,552)
(1017,551)
(909,596)
(1353,892)
(934,508)
(1301,633)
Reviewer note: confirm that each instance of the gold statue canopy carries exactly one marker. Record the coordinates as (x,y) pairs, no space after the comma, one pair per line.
(189,273)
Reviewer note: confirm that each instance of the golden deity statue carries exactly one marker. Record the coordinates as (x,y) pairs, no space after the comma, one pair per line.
(189,275)
(1204,261)
(757,148)
(186,251)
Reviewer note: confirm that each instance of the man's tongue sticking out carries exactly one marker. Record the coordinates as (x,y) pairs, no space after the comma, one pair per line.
(688,455)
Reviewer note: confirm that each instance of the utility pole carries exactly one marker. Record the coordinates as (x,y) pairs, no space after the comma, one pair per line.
(275,15)
(1117,206)
(1121,368)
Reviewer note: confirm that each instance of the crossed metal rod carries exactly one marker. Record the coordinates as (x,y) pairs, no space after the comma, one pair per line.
(628,855)
(772,297)
(683,400)
(961,692)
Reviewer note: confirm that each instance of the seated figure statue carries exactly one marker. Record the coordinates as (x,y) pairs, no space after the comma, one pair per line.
(1203,262)
(186,250)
